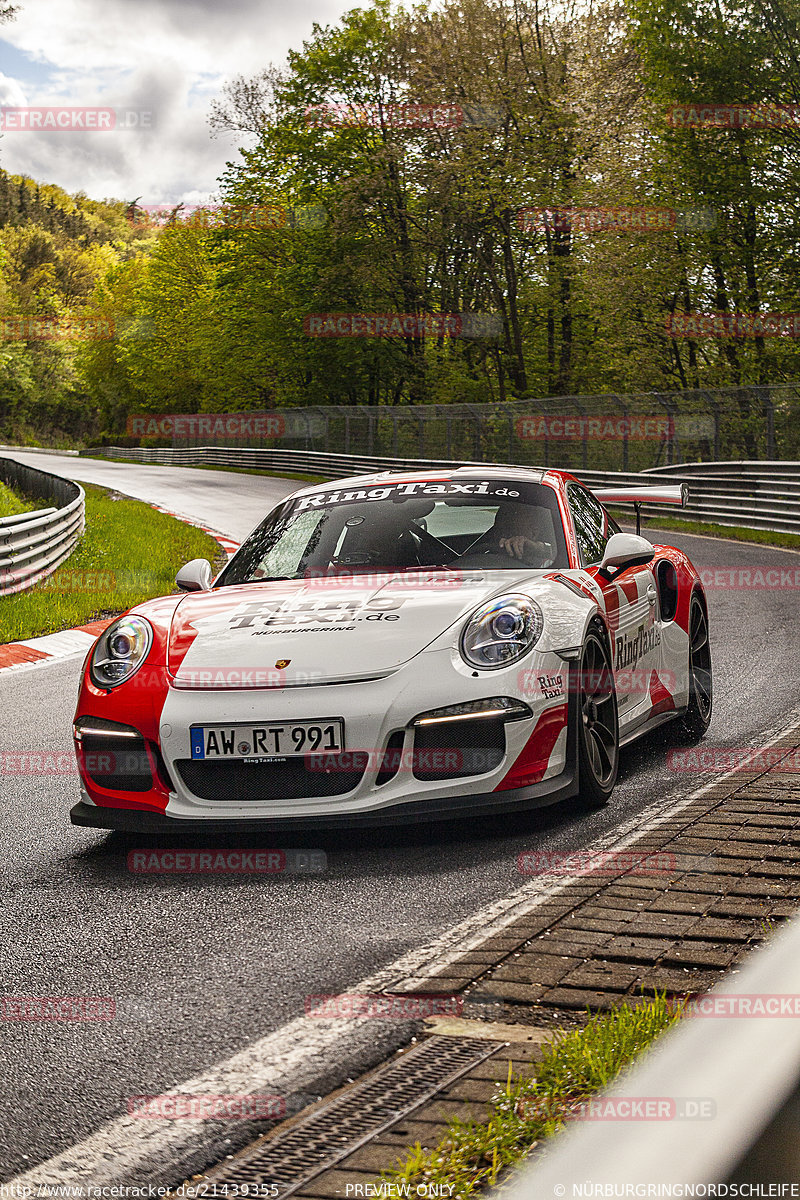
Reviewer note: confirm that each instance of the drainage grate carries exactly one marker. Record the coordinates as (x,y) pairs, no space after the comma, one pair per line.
(337,1129)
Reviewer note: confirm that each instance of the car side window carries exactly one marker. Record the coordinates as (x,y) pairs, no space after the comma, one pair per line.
(591,525)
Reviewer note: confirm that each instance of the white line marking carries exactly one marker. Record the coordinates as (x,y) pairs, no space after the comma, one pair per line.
(69,641)
(295,1057)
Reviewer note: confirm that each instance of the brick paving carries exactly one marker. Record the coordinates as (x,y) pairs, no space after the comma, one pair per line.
(611,939)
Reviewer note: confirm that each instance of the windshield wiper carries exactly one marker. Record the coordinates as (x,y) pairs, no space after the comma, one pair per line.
(264,579)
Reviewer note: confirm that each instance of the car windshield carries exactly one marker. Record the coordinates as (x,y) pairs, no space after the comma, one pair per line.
(405,525)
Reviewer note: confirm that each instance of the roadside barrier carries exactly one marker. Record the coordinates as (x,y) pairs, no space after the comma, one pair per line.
(33,544)
(752,495)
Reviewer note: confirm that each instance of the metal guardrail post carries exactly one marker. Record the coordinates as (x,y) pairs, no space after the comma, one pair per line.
(584,434)
(769,417)
(625,437)
(672,412)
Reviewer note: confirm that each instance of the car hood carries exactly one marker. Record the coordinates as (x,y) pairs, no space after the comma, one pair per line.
(292,633)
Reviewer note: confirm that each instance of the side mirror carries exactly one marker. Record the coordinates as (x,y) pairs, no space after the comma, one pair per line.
(195,576)
(626,550)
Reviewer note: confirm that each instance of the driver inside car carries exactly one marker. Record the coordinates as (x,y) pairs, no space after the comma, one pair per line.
(520,531)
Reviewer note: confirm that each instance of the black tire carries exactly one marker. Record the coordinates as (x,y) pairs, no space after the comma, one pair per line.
(598,724)
(697,718)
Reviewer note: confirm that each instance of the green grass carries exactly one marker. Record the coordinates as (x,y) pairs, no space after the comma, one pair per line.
(576,1065)
(128,553)
(12,503)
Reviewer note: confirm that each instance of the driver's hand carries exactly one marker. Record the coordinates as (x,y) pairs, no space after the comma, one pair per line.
(520,545)
(515,546)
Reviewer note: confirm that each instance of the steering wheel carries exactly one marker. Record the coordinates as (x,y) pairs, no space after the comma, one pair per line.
(405,550)
(488,557)
(492,556)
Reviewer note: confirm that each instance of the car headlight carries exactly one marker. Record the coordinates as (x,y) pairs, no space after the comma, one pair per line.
(120,652)
(501,631)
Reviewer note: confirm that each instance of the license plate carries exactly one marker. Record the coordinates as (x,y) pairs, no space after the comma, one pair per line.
(277,739)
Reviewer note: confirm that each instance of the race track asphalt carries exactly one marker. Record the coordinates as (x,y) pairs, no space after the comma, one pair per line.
(201,967)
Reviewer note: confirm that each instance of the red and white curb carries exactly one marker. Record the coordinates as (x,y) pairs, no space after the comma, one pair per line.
(33,652)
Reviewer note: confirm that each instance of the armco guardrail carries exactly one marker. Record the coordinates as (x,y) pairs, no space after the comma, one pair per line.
(36,449)
(749,495)
(753,495)
(33,544)
(742,1076)
(316,462)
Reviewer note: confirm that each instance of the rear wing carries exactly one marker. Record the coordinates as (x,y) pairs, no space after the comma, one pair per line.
(637,496)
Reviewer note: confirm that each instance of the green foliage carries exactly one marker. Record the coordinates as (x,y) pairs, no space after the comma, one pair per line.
(576,1065)
(129,553)
(55,249)
(376,215)
(11,503)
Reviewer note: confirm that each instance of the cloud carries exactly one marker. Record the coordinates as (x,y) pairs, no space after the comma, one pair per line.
(169,57)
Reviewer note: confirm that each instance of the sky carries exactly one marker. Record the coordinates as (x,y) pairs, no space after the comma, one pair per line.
(158,64)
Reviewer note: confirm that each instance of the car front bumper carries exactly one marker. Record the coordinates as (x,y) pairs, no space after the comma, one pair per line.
(372,711)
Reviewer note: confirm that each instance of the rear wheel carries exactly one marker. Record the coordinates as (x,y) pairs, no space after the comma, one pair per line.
(598,727)
(697,718)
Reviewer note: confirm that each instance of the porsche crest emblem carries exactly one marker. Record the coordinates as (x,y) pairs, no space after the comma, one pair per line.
(282,663)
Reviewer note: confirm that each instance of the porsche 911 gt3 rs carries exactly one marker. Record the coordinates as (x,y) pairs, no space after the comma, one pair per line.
(397,647)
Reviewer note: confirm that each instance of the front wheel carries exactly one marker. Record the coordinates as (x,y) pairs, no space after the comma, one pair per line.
(598,726)
(697,718)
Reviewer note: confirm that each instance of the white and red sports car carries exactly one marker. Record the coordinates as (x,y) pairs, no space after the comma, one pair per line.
(397,646)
